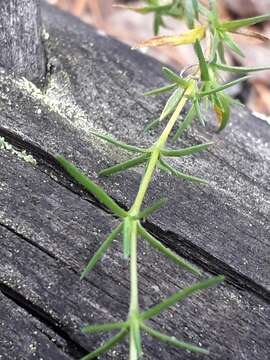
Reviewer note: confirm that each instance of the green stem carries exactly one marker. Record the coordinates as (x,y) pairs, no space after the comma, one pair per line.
(156,151)
(135,210)
(134,298)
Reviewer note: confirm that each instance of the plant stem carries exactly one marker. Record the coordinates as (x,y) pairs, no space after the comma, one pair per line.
(134,300)
(156,151)
(135,209)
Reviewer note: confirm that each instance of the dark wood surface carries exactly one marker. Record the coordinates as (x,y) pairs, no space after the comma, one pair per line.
(21,50)
(49,226)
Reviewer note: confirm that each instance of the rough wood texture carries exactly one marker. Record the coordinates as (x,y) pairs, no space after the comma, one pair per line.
(21,49)
(51,227)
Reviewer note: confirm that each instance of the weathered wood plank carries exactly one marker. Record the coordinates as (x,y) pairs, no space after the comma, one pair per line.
(23,336)
(47,234)
(21,50)
(97,82)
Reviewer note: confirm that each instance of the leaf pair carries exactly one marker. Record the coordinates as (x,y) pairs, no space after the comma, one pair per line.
(221,30)
(166,167)
(134,324)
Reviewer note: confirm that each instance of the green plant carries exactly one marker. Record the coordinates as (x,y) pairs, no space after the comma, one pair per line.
(200,86)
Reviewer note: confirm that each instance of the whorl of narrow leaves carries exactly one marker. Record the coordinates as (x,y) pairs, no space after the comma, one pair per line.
(200,86)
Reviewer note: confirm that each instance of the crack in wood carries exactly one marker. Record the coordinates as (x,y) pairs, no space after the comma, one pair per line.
(48,165)
(74,349)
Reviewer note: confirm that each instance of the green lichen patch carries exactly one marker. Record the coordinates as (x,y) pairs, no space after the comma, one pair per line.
(4,145)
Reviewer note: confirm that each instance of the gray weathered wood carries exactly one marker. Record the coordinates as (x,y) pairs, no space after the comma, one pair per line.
(48,233)
(95,81)
(21,48)
(223,225)
(25,337)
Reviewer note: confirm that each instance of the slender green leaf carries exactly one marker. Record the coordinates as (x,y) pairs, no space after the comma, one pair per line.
(185,123)
(163,165)
(170,75)
(148,9)
(127,228)
(96,328)
(124,165)
(240,69)
(90,186)
(214,47)
(160,90)
(225,86)
(189,12)
(213,7)
(152,124)
(148,211)
(198,112)
(202,62)
(119,144)
(106,346)
(167,252)
(236,24)
(157,23)
(181,295)
(232,44)
(101,251)
(222,109)
(203,10)
(171,103)
(171,340)
(221,52)
(186,151)
(196,8)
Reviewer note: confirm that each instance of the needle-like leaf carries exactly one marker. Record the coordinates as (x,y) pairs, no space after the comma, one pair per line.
(167,252)
(236,24)
(160,90)
(181,295)
(240,69)
(163,165)
(202,62)
(148,211)
(198,112)
(189,12)
(225,86)
(186,151)
(171,103)
(152,124)
(170,75)
(222,109)
(185,123)
(101,251)
(145,9)
(96,328)
(90,186)
(106,346)
(124,165)
(119,144)
(195,4)
(232,44)
(171,340)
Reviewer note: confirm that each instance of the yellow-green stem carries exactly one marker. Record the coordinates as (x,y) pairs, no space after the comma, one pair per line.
(134,299)
(135,209)
(156,151)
